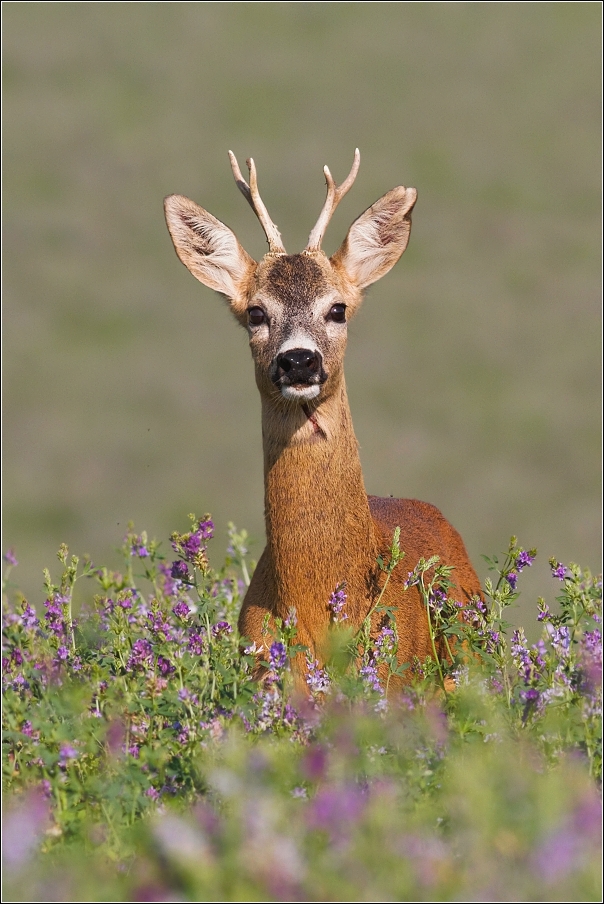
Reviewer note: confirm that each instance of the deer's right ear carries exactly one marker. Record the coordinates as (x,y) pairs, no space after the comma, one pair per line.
(209,250)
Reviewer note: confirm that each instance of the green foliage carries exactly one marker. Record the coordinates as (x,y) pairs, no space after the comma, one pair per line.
(141,762)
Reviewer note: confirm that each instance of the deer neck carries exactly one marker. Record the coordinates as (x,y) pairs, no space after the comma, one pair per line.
(318,525)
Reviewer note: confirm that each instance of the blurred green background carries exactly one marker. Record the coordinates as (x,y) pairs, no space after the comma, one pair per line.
(473,368)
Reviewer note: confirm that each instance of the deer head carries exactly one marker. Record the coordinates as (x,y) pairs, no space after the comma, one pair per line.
(294,307)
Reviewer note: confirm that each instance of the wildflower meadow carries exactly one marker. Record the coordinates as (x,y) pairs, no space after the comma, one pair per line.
(141,762)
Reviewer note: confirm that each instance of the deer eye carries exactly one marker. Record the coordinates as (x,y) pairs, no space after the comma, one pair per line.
(337,313)
(256,316)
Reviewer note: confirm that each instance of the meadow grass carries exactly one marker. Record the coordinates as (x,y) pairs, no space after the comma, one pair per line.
(142,763)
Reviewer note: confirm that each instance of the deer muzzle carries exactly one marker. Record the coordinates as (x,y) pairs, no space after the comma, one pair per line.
(299,373)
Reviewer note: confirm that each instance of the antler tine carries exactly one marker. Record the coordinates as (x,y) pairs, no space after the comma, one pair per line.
(252,195)
(335,193)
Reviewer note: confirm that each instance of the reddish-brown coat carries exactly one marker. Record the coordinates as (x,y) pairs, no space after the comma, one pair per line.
(322,528)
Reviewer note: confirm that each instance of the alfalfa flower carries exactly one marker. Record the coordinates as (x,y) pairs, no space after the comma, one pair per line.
(337,602)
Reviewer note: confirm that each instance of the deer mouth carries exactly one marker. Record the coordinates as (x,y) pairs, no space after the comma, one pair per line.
(301,392)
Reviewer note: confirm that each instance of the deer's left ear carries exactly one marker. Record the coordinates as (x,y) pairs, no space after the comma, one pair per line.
(376,240)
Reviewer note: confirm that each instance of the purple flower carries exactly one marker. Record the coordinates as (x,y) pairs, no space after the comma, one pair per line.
(192,545)
(368,673)
(29,619)
(523,560)
(221,628)
(437,599)
(185,694)
(10,557)
(195,645)
(165,666)
(512,579)
(385,642)
(152,792)
(138,548)
(531,694)
(560,638)
(278,656)
(159,626)
(336,809)
(314,763)
(179,570)
(66,754)
(590,664)
(24,825)
(317,678)
(544,613)
(62,654)
(412,579)
(558,569)
(54,616)
(141,655)
(336,603)
(181,610)
(491,640)
(125,603)
(206,528)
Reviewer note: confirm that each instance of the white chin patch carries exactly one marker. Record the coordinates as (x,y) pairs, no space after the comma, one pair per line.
(300,393)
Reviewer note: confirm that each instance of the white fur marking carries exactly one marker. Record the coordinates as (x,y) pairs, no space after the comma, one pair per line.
(298,339)
(300,394)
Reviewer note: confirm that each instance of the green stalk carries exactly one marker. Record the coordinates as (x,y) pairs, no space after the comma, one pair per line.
(432,640)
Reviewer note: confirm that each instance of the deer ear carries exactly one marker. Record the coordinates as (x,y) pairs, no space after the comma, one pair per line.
(376,240)
(209,249)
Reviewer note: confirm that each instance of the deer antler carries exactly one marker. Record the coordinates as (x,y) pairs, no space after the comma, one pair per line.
(335,193)
(252,196)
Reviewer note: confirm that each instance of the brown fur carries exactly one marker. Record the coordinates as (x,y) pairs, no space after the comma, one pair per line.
(322,529)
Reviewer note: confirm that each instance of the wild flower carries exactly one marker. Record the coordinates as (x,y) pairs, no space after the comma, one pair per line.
(277,656)
(348,790)
(221,629)
(192,546)
(558,569)
(138,547)
(412,579)
(195,643)
(164,666)
(544,613)
(385,644)
(512,579)
(141,656)
(179,570)
(369,675)
(337,809)
(67,753)
(317,679)
(181,610)
(29,619)
(10,557)
(337,602)
(524,559)
(55,616)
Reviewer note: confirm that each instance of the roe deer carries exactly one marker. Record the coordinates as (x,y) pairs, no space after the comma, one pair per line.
(321,527)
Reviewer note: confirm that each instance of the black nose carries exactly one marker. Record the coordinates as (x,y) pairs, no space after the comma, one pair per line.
(298,365)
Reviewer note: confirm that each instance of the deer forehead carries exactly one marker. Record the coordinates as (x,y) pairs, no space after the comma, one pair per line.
(295,280)
(296,291)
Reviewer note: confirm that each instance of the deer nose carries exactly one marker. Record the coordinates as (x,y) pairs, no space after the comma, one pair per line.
(298,365)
